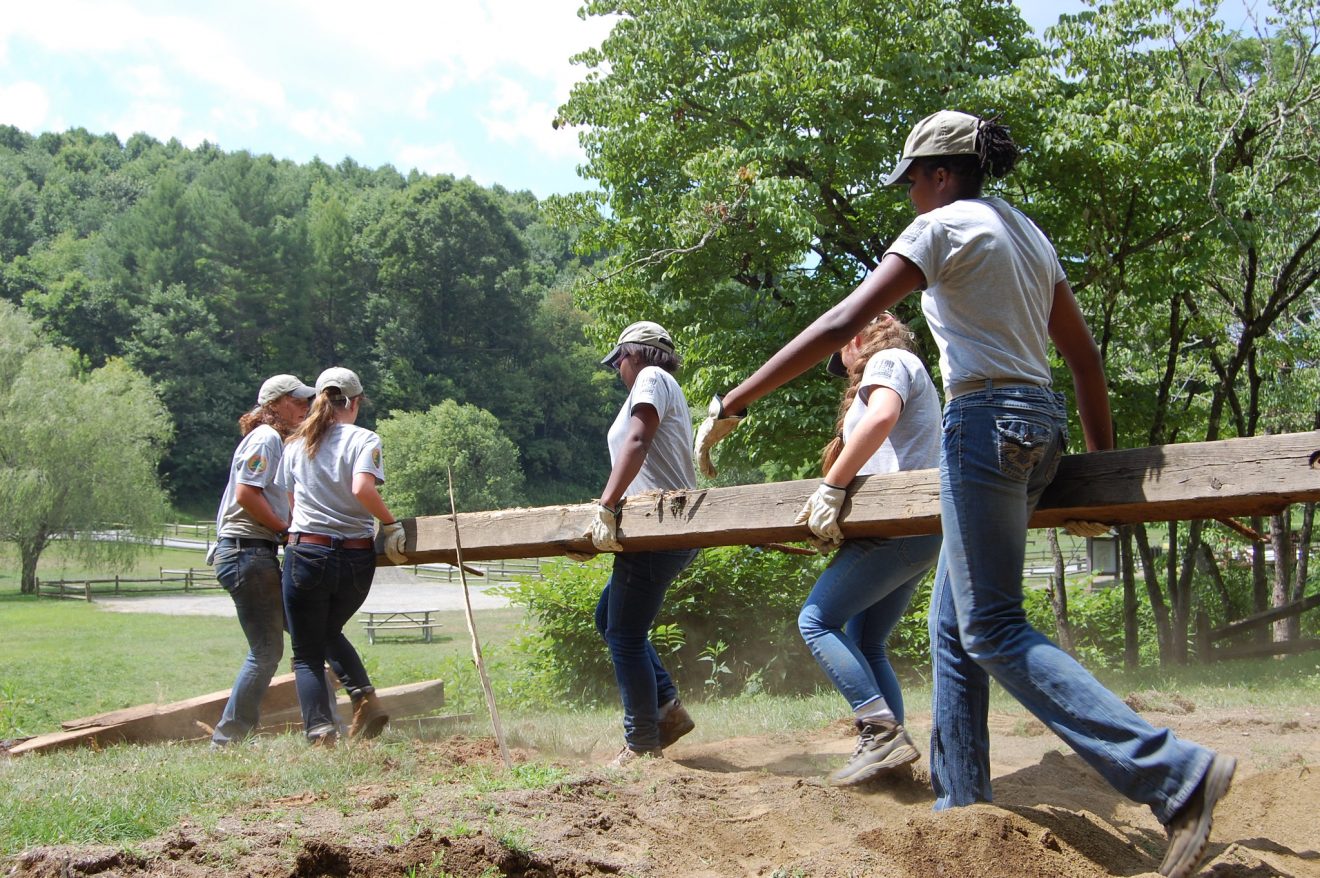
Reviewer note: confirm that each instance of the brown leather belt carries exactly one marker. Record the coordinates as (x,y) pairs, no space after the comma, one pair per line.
(332,542)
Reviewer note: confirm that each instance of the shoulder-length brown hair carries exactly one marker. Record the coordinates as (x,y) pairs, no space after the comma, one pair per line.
(264,414)
(878,335)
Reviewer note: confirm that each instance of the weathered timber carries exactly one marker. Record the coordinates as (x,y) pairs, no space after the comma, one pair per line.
(192,718)
(1265,617)
(1234,477)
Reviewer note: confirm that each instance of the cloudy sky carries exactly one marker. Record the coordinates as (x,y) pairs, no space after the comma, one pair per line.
(466,88)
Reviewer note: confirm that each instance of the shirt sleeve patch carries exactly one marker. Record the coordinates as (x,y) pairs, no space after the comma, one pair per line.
(256,464)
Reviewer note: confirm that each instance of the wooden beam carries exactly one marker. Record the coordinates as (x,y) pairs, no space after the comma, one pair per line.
(1234,477)
(1265,617)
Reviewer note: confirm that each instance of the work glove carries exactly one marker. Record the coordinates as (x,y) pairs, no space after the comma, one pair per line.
(1078,528)
(604,531)
(392,538)
(821,513)
(717,425)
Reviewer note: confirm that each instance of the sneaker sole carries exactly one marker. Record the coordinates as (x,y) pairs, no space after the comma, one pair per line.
(901,755)
(1218,778)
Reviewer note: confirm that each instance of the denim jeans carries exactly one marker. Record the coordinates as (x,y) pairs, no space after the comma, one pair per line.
(252,578)
(1000,449)
(854,605)
(625,613)
(323,588)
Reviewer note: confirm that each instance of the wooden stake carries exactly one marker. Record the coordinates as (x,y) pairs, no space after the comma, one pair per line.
(472,629)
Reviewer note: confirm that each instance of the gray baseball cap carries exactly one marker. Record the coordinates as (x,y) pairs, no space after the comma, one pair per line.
(278,385)
(642,332)
(345,379)
(947,132)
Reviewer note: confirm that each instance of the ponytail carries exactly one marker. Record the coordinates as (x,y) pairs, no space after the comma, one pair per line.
(320,419)
(996,155)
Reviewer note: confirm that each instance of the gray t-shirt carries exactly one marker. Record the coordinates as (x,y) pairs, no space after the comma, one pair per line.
(256,462)
(990,277)
(322,486)
(914,441)
(668,463)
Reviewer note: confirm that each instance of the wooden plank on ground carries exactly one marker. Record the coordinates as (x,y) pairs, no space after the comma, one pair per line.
(1234,477)
(193,718)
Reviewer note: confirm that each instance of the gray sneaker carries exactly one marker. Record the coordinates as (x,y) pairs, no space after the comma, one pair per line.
(1189,830)
(881,746)
(675,723)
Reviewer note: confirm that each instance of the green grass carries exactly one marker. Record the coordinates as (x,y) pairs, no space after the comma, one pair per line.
(59,562)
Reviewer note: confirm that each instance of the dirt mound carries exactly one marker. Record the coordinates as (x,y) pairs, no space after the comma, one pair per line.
(754,806)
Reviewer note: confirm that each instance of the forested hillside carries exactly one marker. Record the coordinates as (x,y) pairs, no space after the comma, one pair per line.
(208,270)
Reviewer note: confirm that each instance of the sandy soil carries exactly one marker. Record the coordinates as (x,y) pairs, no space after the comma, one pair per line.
(756,806)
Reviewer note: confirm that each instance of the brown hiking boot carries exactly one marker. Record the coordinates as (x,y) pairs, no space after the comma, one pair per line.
(674,723)
(1189,830)
(369,717)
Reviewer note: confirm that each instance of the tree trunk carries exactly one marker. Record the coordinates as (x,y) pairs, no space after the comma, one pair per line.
(1281,537)
(1059,595)
(1304,552)
(1207,564)
(1260,591)
(1131,632)
(28,555)
(1182,584)
(1163,636)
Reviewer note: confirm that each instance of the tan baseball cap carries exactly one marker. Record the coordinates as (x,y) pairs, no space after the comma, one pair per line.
(947,132)
(345,379)
(642,332)
(277,385)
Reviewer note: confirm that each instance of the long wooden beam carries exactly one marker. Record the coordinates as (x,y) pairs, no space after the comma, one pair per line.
(1234,477)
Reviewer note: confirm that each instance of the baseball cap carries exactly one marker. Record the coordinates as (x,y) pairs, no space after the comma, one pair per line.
(642,332)
(947,132)
(277,385)
(345,379)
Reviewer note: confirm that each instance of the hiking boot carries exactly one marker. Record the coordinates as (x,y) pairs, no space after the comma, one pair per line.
(629,757)
(1189,830)
(369,716)
(674,723)
(881,746)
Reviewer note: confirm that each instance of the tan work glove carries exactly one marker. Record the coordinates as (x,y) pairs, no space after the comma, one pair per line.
(821,514)
(717,425)
(1077,528)
(604,530)
(392,538)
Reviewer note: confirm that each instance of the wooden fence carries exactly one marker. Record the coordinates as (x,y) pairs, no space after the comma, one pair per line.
(502,570)
(191,579)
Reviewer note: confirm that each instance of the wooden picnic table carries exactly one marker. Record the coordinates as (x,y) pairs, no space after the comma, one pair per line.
(399,620)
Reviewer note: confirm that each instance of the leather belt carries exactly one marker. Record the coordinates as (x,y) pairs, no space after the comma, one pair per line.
(332,542)
(249,543)
(977,385)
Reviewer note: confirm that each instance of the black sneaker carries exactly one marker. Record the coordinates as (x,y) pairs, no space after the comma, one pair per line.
(881,746)
(675,723)
(1189,830)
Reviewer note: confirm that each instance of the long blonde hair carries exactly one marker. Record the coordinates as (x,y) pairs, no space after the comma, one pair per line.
(320,419)
(878,335)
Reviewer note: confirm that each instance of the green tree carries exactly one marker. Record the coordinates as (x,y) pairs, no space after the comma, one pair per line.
(421,447)
(80,451)
(739,149)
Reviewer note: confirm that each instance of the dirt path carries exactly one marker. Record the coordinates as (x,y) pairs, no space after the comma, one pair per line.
(756,806)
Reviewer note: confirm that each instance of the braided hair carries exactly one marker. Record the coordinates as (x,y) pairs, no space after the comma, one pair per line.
(996,155)
(878,335)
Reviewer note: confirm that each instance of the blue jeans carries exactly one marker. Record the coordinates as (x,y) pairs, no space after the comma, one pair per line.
(625,613)
(251,575)
(854,605)
(323,588)
(1000,449)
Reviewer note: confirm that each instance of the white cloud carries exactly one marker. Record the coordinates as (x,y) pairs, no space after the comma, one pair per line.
(325,127)
(439,158)
(514,117)
(24,105)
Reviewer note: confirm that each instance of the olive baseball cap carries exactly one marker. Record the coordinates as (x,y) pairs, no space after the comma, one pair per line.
(947,132)
(277,385)
(642,332)
(345,379)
